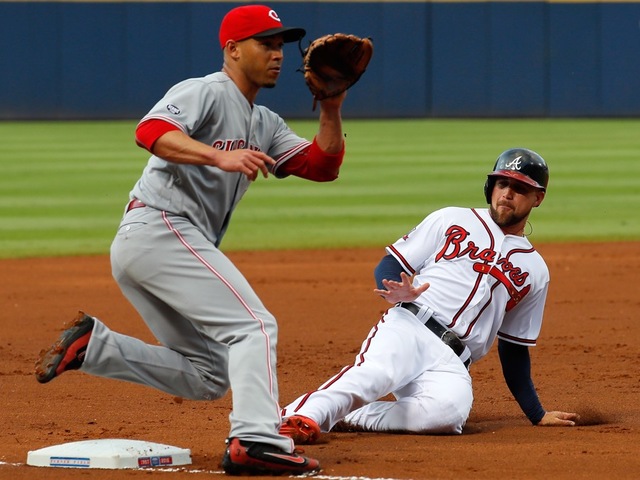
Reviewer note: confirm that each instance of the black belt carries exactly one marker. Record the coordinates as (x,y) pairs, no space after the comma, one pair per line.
(447,336)
(135,203)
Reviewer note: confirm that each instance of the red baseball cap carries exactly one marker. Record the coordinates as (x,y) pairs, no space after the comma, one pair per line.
(255,21)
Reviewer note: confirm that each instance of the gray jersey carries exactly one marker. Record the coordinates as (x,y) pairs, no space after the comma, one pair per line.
(213,111)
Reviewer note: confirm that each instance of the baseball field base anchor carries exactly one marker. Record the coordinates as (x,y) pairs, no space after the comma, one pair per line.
(110,453)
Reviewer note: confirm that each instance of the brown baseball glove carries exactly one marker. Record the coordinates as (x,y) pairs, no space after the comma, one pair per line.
(333,63)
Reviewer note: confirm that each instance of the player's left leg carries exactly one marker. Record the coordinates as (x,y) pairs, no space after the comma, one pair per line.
(395,353)
(437,401)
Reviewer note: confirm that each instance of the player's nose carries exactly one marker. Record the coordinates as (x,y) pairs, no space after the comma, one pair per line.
(508,192)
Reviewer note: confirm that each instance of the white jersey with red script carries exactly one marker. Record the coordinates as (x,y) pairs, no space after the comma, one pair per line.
(482,282)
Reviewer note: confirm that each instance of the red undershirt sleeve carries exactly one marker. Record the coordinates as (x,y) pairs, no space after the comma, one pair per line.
(151,130)
(314,164)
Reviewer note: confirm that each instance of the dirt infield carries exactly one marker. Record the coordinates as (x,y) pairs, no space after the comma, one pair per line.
(587,360)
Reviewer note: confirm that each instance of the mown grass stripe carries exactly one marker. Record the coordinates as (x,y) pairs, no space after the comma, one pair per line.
(64,184)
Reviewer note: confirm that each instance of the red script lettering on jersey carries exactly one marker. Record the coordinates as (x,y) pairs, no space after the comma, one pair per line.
(517,276)
(453,247)
(236,144)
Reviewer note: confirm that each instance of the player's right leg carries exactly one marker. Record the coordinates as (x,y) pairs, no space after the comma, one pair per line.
(392,355)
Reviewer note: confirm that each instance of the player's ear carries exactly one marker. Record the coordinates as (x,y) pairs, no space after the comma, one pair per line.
(539,198)
(231,49)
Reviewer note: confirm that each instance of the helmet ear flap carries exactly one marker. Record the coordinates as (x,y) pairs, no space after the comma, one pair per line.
(488,188)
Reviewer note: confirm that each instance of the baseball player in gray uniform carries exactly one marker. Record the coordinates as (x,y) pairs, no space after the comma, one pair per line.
(209,141)
(467,275)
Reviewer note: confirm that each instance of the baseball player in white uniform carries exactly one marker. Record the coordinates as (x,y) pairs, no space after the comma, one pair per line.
(208,141)
(467,275)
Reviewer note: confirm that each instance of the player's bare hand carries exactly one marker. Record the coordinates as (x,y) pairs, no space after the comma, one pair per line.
(249,162)
(559,419)
(403,291)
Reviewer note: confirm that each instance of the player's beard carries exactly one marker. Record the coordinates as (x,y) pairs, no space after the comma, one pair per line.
(506,218)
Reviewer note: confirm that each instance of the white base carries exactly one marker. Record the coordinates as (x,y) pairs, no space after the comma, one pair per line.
(110,453)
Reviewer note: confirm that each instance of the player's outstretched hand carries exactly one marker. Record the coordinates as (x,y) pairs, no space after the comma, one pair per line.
(559,419)
(402,291)
(249,162)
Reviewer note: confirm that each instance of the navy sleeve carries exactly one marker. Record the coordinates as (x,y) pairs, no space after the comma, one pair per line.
(516,368)
(388,269)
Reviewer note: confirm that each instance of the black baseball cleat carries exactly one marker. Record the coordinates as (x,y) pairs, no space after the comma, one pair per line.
(69,350)
(251,458)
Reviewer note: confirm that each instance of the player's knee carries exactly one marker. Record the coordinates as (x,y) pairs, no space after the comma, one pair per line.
(210,387)
(211,391)
(214,394)
(452,424)
(446,419)
(253,326)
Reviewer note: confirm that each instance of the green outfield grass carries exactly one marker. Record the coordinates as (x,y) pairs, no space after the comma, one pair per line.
(64,184)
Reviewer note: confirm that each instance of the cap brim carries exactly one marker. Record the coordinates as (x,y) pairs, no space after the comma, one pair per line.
(517,176)
(289,34)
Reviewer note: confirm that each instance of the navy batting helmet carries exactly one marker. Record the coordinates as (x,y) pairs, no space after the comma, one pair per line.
(520,164)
